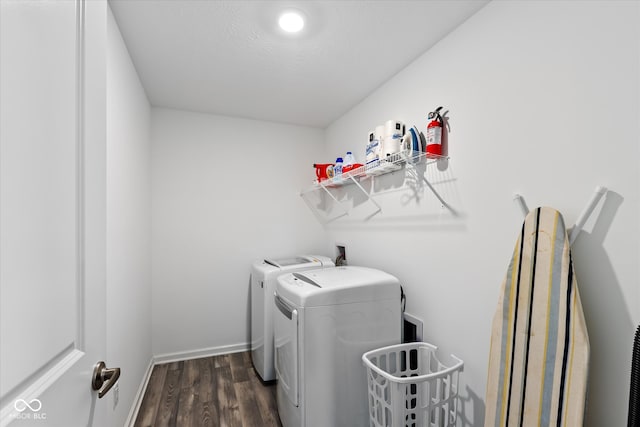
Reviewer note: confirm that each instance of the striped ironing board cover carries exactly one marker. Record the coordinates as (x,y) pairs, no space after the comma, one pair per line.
(539,355)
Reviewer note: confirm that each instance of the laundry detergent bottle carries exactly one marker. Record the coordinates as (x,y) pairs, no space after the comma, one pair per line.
(348,162)
(337,169)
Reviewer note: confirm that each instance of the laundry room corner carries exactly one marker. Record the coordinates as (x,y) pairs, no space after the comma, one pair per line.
(225,193)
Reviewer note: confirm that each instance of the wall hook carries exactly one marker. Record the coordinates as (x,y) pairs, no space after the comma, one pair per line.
(582,218)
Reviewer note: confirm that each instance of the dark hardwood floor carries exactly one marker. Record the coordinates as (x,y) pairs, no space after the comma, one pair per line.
(213,391)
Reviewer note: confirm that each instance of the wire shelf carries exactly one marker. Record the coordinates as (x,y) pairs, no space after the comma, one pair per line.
(392,163)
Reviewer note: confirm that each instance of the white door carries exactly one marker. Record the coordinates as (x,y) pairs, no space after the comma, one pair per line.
(52,211)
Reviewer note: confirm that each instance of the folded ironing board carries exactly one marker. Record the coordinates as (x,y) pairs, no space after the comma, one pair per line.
(539,355)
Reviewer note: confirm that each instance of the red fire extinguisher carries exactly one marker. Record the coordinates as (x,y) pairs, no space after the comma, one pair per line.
(434,133)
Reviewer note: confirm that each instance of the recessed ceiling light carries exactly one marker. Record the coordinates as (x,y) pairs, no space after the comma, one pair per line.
(291,22)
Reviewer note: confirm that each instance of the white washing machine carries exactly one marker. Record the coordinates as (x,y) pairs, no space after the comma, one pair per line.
(263,285)
(325,321)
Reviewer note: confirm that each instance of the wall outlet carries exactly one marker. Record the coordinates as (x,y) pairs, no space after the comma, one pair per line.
(116,395)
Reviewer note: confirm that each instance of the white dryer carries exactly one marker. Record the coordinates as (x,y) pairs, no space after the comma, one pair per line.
(263,285)
(325,321)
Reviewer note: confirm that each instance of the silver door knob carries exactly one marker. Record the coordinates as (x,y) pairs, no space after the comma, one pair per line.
(104,378)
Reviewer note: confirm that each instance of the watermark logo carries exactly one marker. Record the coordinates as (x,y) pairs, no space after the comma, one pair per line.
(21,405)
(29,410)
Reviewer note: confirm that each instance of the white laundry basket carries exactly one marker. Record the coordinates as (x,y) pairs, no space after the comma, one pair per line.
(409,386)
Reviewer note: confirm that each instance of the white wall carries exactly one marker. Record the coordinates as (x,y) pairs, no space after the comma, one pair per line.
(225,193)
(128,225)
(543,100)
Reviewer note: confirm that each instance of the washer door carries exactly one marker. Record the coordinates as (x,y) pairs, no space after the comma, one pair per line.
(286,348)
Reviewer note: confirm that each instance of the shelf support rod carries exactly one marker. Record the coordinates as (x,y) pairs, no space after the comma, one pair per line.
(366,194)
(435,193)
(317,215)
(337,201)
(330,195)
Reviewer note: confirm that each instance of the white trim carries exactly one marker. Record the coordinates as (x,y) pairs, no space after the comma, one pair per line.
(197,354)
(80,177)
(137,401)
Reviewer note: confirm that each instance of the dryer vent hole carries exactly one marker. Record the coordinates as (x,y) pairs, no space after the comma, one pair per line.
(410,332)
(412,329)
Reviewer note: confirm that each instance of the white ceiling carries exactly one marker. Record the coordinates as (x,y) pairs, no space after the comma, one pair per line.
(230,57)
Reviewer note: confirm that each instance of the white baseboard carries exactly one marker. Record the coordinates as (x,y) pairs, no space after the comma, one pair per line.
(196,354)
(135,408)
